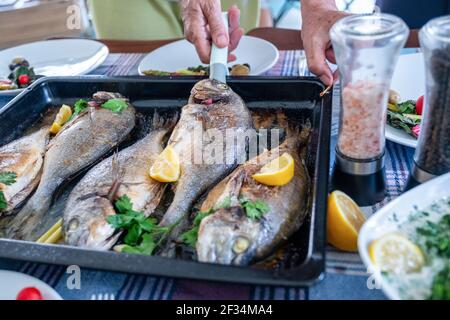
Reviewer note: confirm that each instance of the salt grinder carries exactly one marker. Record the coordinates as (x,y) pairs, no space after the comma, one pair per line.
(366,48)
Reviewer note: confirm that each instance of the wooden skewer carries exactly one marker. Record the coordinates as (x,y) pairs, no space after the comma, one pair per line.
(326,91)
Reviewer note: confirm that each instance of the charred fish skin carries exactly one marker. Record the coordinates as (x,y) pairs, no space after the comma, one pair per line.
(216,107)
(24,157)
(228,236)
(80,143)
(91,201)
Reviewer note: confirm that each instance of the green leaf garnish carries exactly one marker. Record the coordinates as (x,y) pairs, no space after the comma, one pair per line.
(3,202)
(79,106)
(437,236)
(254,209)
(143,235)
(190,236)
(440,289)
(8,178)
(115,105)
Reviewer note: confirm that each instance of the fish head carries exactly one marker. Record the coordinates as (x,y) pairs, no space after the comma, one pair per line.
(86,225)
(228,237)
(209,91)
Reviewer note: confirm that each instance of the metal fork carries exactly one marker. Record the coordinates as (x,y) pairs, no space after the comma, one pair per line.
(105,296)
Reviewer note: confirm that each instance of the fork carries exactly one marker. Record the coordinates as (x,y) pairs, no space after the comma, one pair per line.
(101,296)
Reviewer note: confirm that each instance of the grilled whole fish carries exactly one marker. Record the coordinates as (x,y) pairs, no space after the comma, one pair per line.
(94,132)
(215,107)
(24,157)
(228,236)
(126,173)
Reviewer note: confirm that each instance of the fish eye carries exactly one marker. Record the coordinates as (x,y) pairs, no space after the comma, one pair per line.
(240,245)
(222,86)
(73,224)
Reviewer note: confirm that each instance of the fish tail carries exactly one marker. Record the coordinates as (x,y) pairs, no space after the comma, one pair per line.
(25,222)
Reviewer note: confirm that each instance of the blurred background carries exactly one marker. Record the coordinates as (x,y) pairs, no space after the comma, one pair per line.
(23,21)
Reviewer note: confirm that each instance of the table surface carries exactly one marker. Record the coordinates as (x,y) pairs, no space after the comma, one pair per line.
(345,278)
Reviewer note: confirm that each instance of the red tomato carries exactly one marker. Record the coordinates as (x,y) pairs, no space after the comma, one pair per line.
(419,105)
(23,79)
(30,293)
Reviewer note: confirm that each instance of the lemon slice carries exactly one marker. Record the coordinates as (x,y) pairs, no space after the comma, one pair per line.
(278,172)
(395,253)
(167,167)
(344,219)
(64,114)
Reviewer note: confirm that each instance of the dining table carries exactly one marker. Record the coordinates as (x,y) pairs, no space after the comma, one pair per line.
(345,275)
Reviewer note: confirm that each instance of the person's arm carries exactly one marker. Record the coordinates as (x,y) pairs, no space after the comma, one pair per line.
(318,16)
(203,22)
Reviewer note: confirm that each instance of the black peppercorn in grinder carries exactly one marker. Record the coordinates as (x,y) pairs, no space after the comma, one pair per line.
(366,49)
(432,156)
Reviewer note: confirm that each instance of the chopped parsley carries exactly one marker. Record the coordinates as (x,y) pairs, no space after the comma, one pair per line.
(6,178)
(437,236)
(143,235)
(440,289)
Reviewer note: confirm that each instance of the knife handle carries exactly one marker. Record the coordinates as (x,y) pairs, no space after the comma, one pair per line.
(219,56)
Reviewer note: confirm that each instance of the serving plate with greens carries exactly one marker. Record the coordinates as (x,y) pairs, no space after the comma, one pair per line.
(408,81)
(406,244)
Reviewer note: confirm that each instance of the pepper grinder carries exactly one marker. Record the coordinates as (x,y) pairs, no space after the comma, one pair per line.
(366,49)
(432,156)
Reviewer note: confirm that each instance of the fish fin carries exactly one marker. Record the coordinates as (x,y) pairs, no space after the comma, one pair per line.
(118,172)
(160,122)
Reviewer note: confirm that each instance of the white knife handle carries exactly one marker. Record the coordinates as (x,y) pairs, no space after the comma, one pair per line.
(220,55)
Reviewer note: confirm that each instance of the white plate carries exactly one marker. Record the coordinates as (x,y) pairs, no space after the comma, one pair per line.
(61,57)
(11,283)
(381,223)
(409,82)
(260,54)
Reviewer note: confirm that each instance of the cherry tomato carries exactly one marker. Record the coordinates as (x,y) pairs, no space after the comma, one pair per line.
(23,79)
(30,293)
(419,105)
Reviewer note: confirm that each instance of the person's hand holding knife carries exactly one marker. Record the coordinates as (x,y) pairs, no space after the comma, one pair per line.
(203,25)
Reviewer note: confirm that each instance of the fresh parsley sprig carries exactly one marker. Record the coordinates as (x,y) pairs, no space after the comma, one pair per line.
(7,178)
(143,235)
(253,209)
(115,105)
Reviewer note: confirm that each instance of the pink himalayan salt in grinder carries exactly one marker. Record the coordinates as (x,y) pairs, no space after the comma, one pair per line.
(366,49)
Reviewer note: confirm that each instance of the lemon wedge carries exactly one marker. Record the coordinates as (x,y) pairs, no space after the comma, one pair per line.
(167,167)
(396,253)
(278,172)
(344,219)
(55,128)
(64,114)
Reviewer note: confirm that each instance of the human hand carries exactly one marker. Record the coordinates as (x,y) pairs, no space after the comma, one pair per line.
(203,22)
(317,22)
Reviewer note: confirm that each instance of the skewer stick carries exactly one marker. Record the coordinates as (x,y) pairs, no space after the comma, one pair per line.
(326,91)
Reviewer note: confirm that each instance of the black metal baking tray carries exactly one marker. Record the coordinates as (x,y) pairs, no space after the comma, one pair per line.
(299,96)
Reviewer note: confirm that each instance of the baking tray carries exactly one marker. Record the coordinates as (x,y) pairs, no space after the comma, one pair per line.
(299,96)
